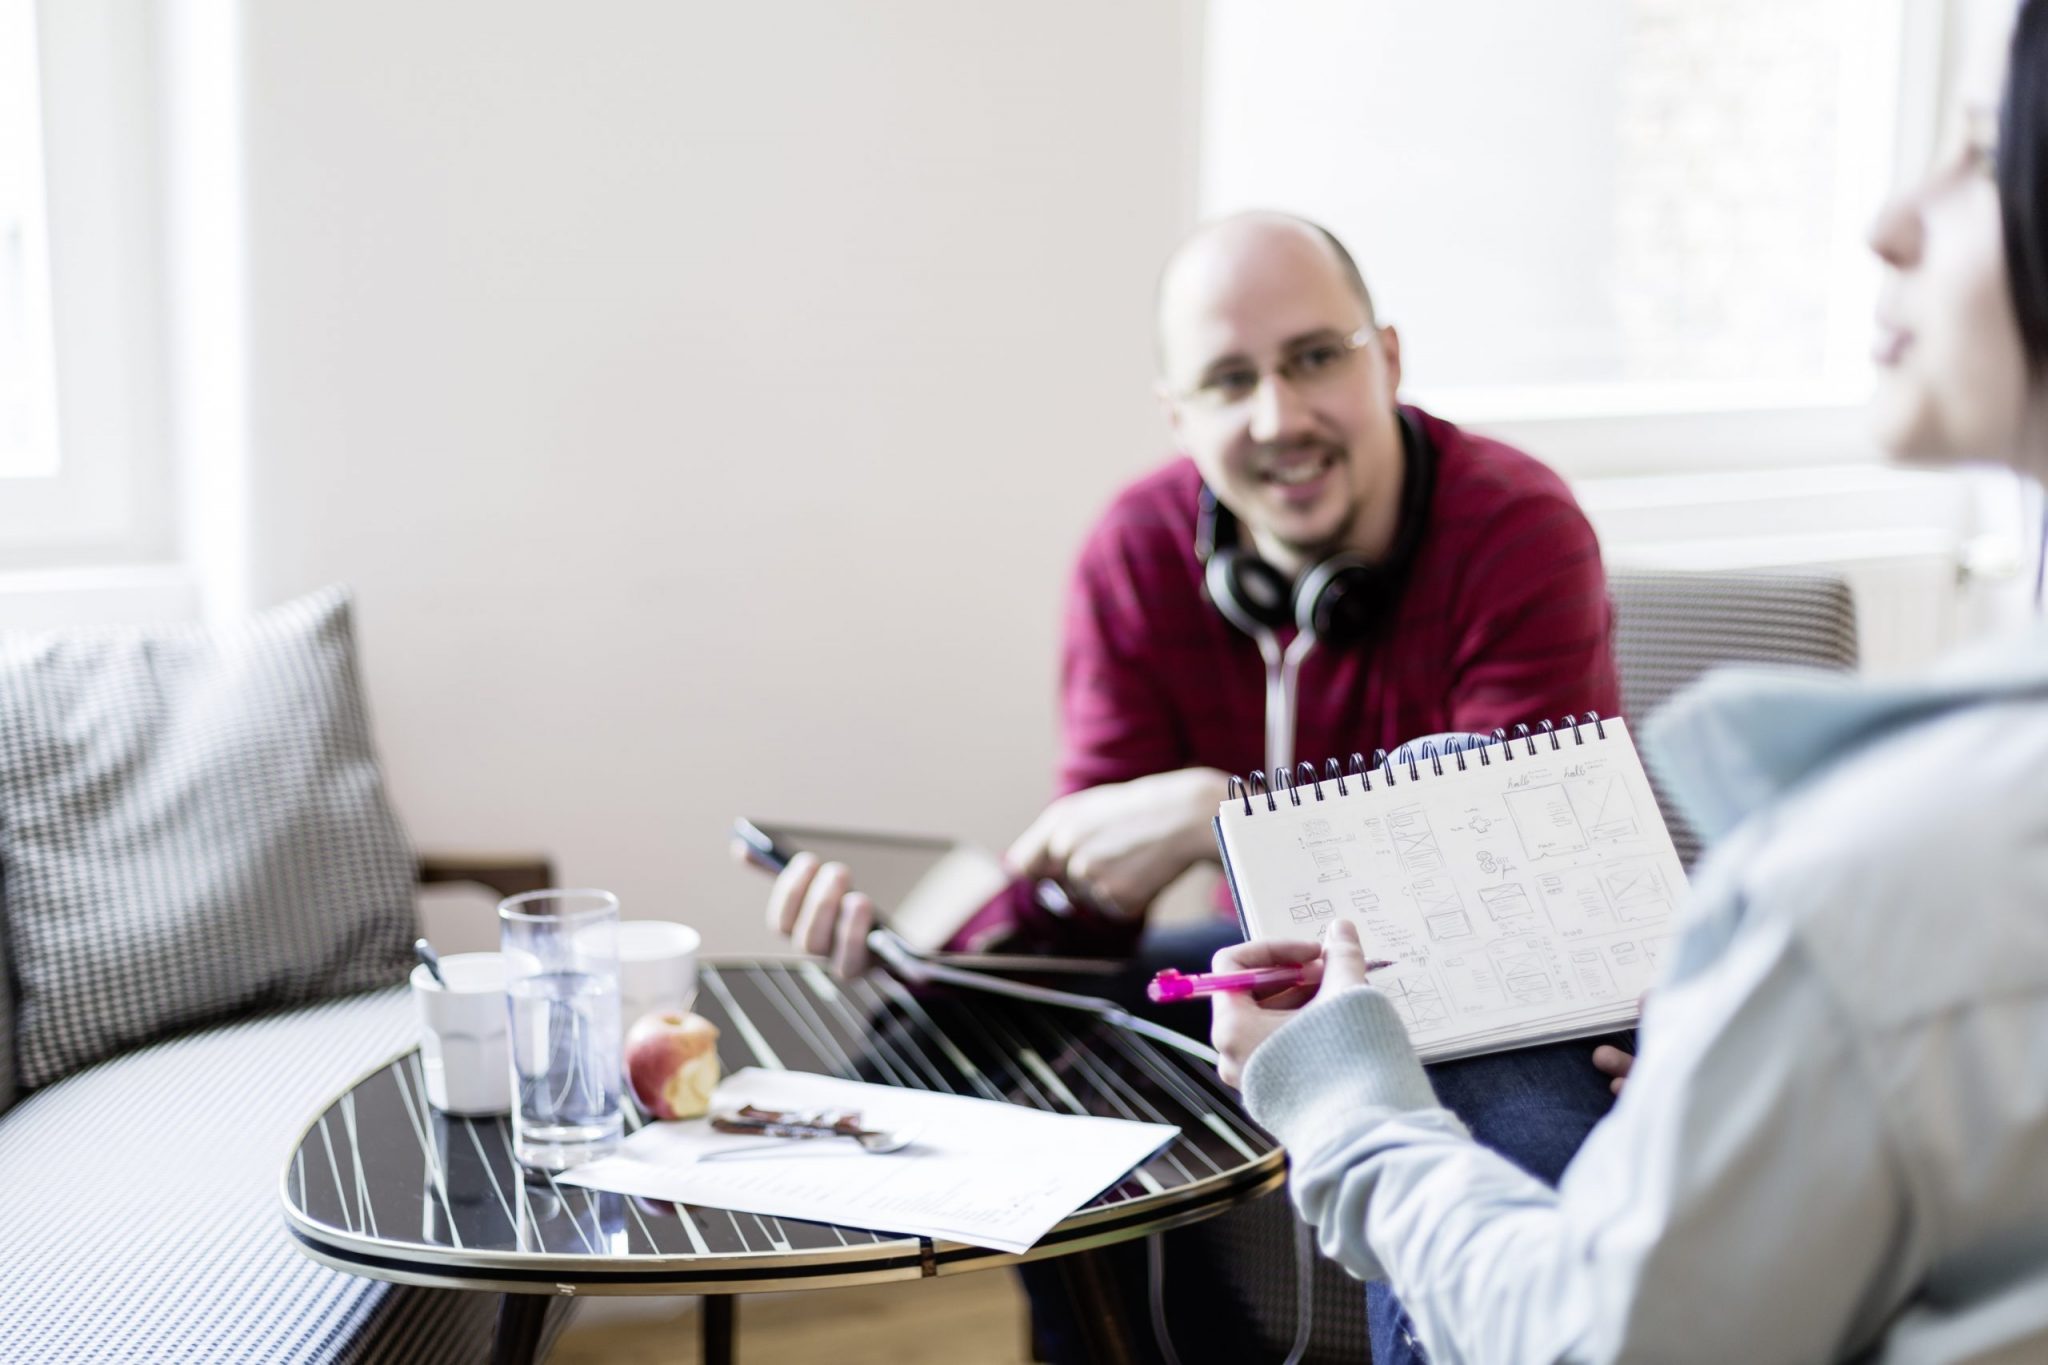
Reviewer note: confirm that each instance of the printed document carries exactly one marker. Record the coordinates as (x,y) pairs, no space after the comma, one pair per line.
(977,1171)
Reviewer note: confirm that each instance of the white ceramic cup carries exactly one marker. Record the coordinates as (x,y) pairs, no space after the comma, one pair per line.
(657,968)
(465,1034)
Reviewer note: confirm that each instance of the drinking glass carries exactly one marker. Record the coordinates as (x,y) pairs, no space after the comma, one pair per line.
(562,988)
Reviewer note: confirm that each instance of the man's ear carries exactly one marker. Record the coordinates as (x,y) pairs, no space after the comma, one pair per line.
(1169,407)
(1390,342)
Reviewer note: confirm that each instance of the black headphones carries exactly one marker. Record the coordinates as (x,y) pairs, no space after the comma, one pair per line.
(1337,599)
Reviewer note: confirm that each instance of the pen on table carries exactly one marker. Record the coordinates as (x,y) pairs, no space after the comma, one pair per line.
(1171,985)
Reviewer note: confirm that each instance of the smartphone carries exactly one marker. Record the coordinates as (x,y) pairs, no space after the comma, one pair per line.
(925,889)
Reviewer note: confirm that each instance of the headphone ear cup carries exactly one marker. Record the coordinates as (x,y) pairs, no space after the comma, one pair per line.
(1252,594)
(1339,599)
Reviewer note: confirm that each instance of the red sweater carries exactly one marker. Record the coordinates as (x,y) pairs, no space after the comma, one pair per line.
(1503,619)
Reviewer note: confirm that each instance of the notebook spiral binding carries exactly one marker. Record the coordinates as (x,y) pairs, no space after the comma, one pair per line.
(1290,783)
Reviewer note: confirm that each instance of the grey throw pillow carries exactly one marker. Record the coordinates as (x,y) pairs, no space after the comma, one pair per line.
(6,1022)
(192,824)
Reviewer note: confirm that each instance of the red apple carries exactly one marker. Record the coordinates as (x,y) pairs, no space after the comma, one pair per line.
(672,1063)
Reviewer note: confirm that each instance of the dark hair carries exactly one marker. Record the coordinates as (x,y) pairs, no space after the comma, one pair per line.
(2022,173)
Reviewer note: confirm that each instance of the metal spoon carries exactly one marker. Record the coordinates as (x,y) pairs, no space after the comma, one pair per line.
(791,1126)
(424,951)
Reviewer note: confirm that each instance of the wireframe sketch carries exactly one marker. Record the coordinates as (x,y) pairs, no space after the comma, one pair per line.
(1595,978)
(1637,889)
(1471,983)
(1508,901)
(1307,906)
(1605,809)
(1315,829)
(1329,861)
(1419,1003)
(1626,953)
(1575,901)
(1365,902)
(1414,841)
(1545,819)
(1522,973)
(1441,908)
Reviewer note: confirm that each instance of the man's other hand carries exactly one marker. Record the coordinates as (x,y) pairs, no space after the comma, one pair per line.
(814,905)
(1121,844)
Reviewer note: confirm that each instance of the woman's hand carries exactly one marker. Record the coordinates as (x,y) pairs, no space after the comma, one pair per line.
(1612,1061)
(1241,1022)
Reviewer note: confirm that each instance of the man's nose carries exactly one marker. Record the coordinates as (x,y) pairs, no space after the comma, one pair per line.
(1277,409)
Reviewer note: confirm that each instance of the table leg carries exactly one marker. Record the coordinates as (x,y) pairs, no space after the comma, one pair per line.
(719,1329)
(520,1319)
(1092,1290)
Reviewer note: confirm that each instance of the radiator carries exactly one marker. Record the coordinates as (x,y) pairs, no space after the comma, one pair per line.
(1933,558)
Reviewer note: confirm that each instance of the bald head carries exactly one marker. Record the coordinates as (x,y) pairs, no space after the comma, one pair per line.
(1234,263)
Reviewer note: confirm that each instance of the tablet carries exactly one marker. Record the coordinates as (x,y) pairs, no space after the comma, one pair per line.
(925,889)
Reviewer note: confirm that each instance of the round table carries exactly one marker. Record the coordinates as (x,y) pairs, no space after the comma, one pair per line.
(383,1185)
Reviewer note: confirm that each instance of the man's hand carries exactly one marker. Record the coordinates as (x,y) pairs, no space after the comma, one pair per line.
(1121,843)
(1242,1022)
(815,906)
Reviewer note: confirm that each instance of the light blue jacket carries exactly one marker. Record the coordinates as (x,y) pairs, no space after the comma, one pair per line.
(1834,1145)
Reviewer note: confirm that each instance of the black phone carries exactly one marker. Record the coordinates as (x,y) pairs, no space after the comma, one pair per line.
(925,889)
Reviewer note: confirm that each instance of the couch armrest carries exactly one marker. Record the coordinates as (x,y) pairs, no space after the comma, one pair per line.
(508,874)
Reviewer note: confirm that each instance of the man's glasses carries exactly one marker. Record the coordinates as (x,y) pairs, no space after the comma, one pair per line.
(1306,365)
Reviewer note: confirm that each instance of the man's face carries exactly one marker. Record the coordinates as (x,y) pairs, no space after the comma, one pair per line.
(1280,390)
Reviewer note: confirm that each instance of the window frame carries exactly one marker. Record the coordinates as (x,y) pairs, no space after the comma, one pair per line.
(1618,429)
(110,500)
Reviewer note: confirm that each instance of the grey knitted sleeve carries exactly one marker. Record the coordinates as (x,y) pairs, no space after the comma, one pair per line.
(1338,1058)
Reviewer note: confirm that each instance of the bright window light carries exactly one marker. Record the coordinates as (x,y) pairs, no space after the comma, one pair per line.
(28,396)
(1630,206)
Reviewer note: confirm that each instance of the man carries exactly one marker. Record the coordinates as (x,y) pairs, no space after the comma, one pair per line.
(1455,586)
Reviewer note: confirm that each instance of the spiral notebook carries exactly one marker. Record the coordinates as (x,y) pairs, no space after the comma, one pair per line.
(1524,886)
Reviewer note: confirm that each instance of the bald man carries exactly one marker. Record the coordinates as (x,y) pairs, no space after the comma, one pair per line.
(1468,595)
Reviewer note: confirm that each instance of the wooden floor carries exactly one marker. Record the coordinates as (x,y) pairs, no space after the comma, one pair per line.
(945,1321)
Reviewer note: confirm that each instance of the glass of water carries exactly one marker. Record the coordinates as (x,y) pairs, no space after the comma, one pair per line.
(562,986)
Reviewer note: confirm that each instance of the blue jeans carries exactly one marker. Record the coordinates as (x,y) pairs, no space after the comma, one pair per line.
(1534,1107)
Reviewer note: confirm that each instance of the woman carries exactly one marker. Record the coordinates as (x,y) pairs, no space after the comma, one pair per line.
(1835,1141)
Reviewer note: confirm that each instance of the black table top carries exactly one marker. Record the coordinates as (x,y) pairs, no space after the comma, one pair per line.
(383,1185)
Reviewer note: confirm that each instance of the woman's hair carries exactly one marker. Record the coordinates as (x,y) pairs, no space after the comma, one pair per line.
(2022,172)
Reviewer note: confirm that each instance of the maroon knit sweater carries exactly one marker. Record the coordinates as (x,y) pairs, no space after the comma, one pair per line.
(1504,619)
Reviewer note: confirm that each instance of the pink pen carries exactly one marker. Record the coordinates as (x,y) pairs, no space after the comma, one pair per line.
(1171,985)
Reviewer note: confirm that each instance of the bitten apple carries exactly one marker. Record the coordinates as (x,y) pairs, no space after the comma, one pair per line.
(672,1063)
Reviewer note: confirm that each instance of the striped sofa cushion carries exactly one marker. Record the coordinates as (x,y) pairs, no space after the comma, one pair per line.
(1672,626)
(192,825)
(140,1218)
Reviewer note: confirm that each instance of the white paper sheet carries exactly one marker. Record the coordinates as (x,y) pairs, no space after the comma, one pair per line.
(979,1172)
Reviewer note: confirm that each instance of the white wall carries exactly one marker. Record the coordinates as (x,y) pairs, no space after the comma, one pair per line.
(705,401)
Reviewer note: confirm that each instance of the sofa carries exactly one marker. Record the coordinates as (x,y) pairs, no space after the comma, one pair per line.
(205,909)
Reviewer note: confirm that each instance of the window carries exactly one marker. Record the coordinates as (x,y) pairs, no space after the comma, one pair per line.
(1585,209)
(84,451)
(28,393)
